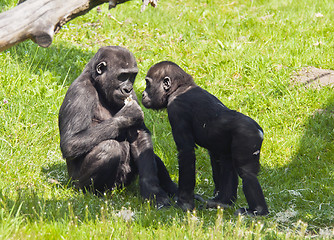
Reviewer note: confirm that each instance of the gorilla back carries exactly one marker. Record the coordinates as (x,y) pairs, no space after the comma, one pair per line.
(197,117)
(104,140)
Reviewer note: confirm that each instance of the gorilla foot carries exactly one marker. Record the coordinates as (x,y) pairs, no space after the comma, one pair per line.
(251,213)
(185,206)
(162,202)
(213,203)
(160,206)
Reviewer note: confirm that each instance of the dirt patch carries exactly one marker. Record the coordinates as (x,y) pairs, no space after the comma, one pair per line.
(314,77)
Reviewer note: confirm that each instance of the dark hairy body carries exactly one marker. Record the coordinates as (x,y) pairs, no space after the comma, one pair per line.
(103,137)
(197,117)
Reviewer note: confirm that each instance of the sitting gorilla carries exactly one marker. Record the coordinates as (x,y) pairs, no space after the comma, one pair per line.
(197,117)
(102,134)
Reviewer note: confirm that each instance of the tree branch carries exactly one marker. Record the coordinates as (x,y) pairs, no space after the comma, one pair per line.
(39,20)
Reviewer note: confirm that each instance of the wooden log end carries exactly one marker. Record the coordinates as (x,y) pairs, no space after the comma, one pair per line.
(43,39)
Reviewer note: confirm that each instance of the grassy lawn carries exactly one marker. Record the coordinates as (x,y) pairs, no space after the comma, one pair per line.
(245,52)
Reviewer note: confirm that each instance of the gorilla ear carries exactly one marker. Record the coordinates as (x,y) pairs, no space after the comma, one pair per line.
(166,83)
(101,67)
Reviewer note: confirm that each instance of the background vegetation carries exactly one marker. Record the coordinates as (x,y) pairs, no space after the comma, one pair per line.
(245,52)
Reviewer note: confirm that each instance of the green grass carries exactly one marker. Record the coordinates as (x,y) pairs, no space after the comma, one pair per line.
(244,52)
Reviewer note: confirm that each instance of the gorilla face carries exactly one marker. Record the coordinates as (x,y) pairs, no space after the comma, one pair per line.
(114,70)
(157,90)
(154,95)
(163,81)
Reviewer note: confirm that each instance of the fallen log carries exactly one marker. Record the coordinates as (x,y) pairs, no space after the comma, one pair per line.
(39,20)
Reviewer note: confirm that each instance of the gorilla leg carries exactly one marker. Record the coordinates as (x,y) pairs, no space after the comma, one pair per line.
(226,181)
(215,172)
(142,153)
(104,167)
(254,195)
(165,181)
(246,156)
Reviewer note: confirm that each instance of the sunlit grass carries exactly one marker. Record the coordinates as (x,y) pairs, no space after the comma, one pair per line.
(244,52)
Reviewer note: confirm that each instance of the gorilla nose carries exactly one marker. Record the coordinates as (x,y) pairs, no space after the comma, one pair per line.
(127,90)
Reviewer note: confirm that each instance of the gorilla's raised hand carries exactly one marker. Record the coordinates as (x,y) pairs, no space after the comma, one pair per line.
(130,114)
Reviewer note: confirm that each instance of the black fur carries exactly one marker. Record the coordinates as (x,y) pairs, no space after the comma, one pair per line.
(105,141)
(197,117)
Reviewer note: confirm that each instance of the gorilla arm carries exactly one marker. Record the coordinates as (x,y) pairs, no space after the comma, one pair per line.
(185,143)
(80,132)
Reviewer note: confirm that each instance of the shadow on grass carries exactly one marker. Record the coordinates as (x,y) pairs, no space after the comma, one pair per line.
(308,181)
(78,208)
(56,173)
(32,206)
(65,62)
(63,202)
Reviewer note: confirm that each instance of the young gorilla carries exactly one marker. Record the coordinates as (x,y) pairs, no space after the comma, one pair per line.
(197,117)
(104,140)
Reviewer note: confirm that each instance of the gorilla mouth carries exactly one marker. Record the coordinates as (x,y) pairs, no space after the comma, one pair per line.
(121,95)
(145,101)
(125,95)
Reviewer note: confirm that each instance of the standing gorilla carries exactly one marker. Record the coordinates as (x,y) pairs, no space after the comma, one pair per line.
(197,117)
(103,137)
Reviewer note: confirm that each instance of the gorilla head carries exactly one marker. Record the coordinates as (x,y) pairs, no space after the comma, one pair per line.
(113,72)
(162,80)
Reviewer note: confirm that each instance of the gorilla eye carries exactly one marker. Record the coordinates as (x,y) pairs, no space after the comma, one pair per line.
(124,76)
(101,67)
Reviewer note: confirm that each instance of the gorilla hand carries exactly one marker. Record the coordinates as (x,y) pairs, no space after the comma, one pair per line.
(131,114)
